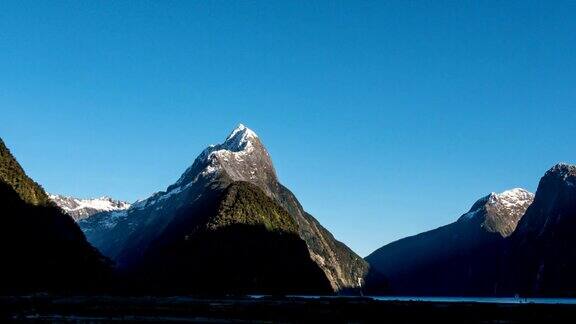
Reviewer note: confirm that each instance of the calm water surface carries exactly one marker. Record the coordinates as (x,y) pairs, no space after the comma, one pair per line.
(491,300)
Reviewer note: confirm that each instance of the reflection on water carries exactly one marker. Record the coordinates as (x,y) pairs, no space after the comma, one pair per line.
(491,300)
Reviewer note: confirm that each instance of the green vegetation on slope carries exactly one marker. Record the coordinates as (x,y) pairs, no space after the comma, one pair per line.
(232,240)
(243,203)
(12,174)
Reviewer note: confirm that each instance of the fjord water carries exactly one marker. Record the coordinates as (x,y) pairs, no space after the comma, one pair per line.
(490,300)
(450,299)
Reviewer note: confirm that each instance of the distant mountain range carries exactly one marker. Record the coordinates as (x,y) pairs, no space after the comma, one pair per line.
(83,208)
(227,225)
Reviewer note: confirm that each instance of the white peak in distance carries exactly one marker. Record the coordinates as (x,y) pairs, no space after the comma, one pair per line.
(241,157)
(504,210)
(240,139)
(516,197)
(501,212)
(83,208)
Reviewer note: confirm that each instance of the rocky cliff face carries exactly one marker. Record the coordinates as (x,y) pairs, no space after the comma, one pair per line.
(240,158)
(79,209)
(462,258)
(541,256)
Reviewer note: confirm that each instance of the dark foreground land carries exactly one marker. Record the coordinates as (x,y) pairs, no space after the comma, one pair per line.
(268,309)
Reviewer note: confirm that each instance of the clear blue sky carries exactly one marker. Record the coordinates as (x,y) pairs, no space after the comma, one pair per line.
(386,118)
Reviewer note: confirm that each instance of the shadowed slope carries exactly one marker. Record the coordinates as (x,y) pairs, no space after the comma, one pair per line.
(41,248)
(233,241)
(462,258)
(541,259)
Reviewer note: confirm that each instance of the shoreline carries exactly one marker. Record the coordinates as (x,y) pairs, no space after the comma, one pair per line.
(338,309)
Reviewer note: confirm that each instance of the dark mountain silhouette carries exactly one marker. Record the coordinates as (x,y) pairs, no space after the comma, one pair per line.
(462,258)
(41,248)
(235,240)
(541,257)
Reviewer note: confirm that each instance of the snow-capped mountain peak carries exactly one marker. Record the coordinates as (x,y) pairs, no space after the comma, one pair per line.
(82,208)
(512,198)
(241,157)
(239,139)
(500,212)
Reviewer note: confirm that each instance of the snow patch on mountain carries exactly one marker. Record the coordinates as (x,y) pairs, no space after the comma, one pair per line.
(237,145)
(113,218)
(83,208)
(566,172)
(512,198)
(235,149)
(240,139)
(500,212)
